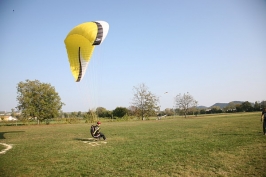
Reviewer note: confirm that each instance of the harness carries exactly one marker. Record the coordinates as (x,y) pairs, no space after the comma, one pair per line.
(95,131)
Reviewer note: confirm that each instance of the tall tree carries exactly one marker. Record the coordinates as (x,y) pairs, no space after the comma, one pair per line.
(66,115)
(185,102)
(36,99)
(263,104)
(257,106)
(131,110)
(231,107)
(79,114)
(247,107)
(120,112)
(145,102)
(239,108)
(91,116)
(169,112)
(102,112)
(13,114)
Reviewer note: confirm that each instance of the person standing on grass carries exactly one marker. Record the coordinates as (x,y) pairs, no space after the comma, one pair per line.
(97,132)
(263,120)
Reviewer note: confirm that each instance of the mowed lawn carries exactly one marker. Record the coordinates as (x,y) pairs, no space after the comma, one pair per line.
(218,145)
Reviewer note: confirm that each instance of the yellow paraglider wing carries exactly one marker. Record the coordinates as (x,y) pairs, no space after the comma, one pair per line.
(80,43)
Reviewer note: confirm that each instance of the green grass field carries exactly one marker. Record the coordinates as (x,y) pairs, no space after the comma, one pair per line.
(213,145)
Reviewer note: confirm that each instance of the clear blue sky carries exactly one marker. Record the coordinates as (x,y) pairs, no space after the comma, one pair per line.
(215,50)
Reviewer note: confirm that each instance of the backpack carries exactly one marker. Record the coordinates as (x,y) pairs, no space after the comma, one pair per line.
(96,135)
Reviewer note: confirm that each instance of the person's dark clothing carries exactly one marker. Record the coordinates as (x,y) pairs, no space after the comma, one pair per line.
(102,136)
(264,121)
(97,133)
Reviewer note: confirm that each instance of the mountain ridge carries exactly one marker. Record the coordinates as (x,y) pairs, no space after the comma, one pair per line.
(221,105)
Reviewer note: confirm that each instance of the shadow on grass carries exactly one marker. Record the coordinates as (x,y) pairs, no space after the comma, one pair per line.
(86,139)
(2,133)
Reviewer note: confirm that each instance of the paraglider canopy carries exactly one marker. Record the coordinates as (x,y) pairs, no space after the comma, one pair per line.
(80,43)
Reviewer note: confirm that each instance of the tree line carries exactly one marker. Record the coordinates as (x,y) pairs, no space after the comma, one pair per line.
(41,102)
(122,112)
(236,107)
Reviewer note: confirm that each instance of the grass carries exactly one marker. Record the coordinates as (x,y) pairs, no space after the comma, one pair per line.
(213,145)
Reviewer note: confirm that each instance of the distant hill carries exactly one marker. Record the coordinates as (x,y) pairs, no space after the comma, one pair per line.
(223,105)
(202,107)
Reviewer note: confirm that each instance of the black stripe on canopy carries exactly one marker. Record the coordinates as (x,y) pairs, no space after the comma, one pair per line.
(99,36)
(80,68)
